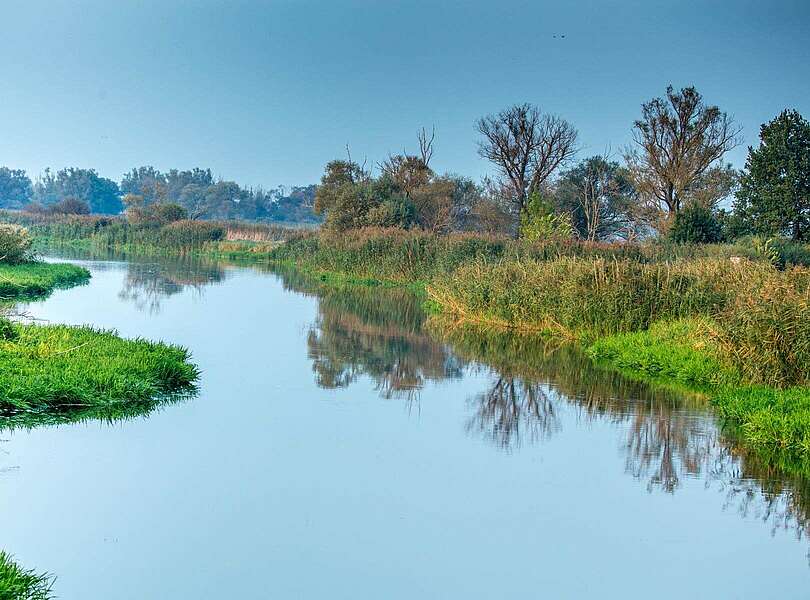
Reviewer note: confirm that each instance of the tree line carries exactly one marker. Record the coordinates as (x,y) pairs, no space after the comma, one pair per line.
(671,181)
(146,191)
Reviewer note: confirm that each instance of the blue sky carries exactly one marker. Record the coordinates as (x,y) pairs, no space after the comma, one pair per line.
(265,93)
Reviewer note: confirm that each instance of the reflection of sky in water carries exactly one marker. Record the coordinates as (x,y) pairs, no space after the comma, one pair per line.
(342,447)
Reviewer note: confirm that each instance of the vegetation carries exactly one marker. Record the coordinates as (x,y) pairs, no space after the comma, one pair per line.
(60,368)
(38,278)
(768,419)
(21,275)
(774,196)
(17,583)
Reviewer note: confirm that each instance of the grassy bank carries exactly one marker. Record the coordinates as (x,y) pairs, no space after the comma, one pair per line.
(718,320)
(61,368)
(17,583)
(38,278)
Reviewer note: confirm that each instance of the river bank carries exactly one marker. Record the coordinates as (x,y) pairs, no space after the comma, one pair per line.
(727,321)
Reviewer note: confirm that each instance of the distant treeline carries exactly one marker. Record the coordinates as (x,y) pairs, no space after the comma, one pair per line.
(78,191)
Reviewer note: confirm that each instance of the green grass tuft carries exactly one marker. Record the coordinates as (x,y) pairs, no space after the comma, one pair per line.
(38,278)
(17,583)
(59,368)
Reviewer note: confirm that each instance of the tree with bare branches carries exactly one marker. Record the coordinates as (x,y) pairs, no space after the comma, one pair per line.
(526,146)
(677,140)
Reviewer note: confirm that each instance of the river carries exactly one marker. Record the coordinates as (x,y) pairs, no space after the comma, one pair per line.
(342,445)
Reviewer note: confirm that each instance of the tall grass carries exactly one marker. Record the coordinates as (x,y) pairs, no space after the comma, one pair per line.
(589,295)
(117,232)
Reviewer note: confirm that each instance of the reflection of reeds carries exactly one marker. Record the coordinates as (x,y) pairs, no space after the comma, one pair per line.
(148,283)
(384,334)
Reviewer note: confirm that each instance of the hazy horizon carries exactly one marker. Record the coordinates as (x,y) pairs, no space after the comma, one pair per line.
(265,93)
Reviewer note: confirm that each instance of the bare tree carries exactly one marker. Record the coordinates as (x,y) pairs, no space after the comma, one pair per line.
(426,145)
(527,146)
(678,138)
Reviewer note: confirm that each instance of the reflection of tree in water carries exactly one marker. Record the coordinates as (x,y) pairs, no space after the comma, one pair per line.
(374,332)
(513,408)
(147,284)
(666,436)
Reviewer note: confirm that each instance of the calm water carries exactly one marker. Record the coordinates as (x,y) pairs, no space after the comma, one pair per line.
(343,447)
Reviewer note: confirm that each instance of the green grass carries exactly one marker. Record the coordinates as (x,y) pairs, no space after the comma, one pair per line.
(17,583)
(687,353)
(63,368)
(38,278)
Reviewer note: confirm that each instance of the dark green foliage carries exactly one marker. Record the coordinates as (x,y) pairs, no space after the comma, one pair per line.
(17,583)
(696,224)
(70,206)
(774,196)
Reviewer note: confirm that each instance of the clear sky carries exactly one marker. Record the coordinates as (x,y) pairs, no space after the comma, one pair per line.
(265,93)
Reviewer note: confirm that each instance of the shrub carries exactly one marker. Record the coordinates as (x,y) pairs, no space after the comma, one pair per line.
(15,244)
(70,206)
(696,224)
(169,212)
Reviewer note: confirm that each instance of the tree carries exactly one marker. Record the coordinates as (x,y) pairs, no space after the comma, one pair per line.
(678,139)
(696,224)
(526,146)
(100,193)
(600,198)
(147,182)
(16,190)
(774,195)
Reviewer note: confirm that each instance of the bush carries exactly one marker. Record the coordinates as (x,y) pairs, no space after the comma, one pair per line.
(70,206)
(169,212)
(15,244)
(696,224)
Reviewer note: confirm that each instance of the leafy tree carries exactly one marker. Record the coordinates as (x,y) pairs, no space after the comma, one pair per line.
(678,139)
(147,182)
(696,224)
(16,190)
(774,195)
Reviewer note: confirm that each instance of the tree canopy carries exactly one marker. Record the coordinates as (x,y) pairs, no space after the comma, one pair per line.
(774,195)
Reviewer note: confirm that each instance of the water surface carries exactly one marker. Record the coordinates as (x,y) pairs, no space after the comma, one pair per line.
(342,446)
